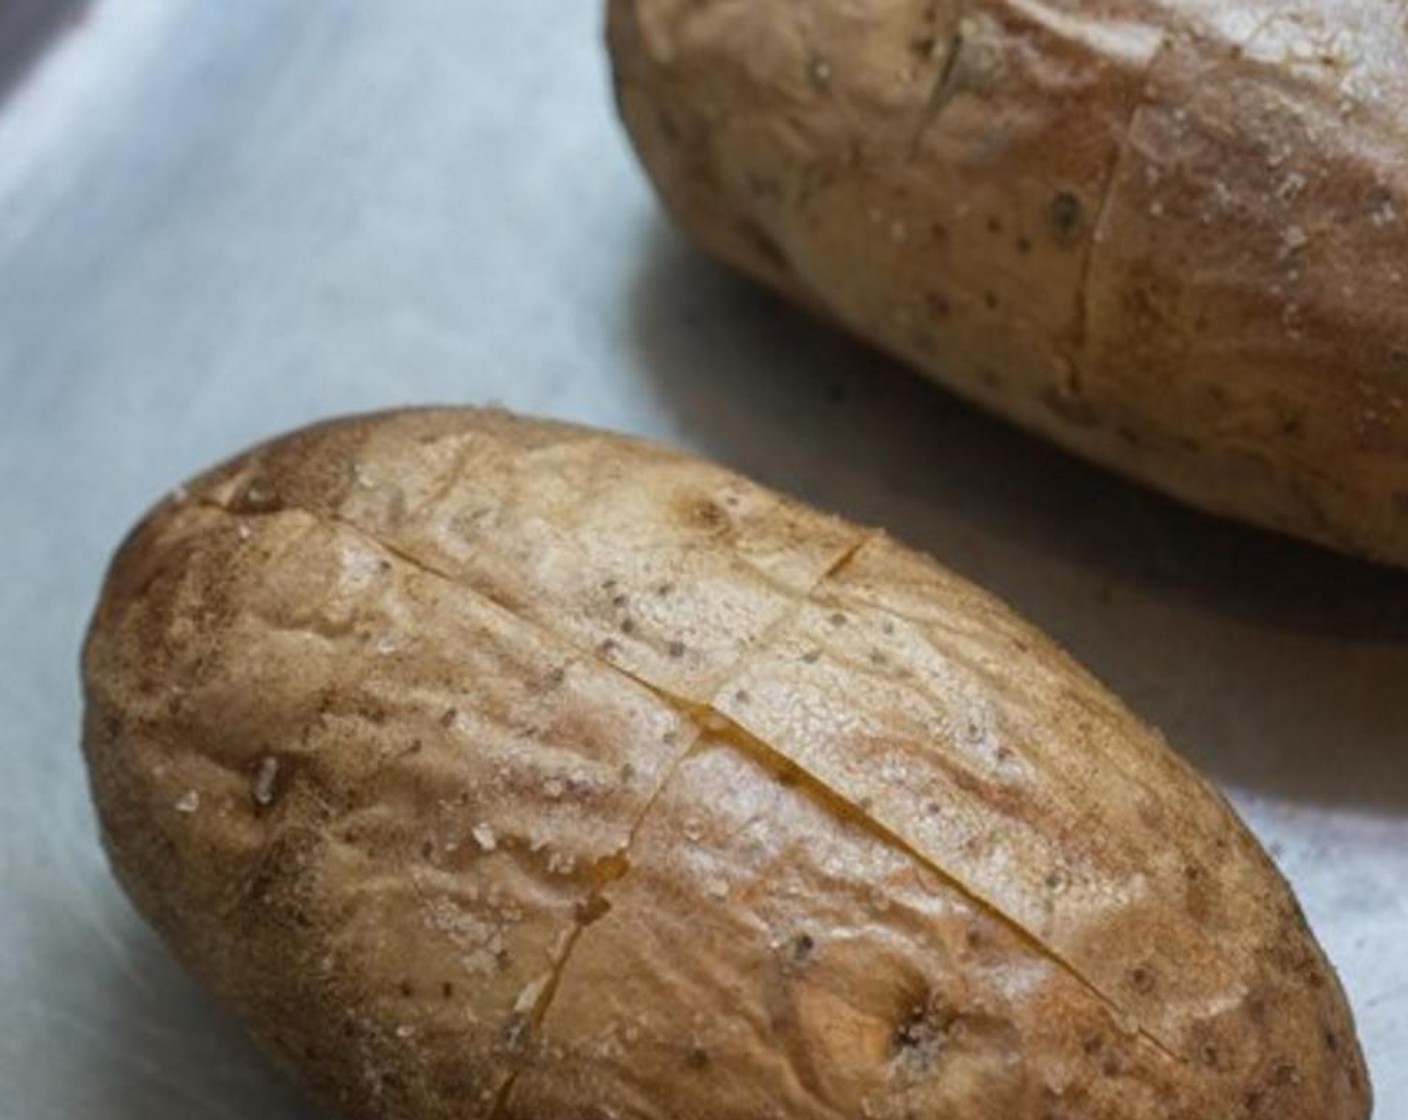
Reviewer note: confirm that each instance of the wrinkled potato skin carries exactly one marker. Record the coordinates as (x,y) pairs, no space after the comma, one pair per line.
(496,768)
(1171,235)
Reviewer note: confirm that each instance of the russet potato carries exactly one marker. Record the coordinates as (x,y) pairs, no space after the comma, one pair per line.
(1170,235)
(493,767)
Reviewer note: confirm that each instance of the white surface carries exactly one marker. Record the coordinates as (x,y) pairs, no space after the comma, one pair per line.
(220,220)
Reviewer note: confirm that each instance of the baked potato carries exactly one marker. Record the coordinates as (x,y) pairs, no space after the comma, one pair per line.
(494,767)
(1171,235)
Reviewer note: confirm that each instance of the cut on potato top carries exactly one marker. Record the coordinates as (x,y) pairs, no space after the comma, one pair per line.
(1172,235)
(499,768)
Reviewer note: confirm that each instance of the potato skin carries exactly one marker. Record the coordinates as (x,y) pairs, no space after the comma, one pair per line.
(1170,235)
(492,767)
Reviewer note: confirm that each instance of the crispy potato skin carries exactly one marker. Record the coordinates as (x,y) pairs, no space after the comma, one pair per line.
(496,768)
(1170,236)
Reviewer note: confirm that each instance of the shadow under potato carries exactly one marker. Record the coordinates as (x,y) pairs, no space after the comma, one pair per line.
(26,29)
(154,1046)
(1273,665)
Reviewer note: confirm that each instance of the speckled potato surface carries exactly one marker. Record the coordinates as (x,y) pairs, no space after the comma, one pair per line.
(498,768)
(1171,235)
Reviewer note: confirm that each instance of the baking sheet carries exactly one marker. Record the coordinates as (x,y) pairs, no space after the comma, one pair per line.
(220,220)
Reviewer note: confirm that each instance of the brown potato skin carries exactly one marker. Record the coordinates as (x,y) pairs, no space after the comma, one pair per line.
(493,767)
(1169,235)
